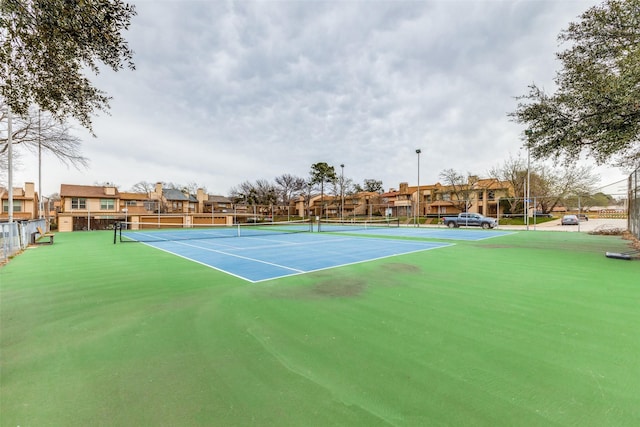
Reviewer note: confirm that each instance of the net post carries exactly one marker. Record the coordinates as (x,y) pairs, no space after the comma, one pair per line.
(115,232)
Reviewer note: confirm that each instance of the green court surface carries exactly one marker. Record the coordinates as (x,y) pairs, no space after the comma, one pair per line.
(529,329)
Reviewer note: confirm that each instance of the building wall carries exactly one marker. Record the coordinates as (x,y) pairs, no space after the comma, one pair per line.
(28,200)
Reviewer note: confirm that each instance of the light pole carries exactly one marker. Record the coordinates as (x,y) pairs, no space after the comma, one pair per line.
(418,151)
(342,192)
(40,198)
(528,132)
(10,162)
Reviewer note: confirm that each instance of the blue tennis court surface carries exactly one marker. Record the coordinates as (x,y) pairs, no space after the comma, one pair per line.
(257,259)
(425,232)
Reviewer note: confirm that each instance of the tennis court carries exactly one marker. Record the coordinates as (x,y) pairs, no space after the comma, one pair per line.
(529,328)
(383,229)
(271,251)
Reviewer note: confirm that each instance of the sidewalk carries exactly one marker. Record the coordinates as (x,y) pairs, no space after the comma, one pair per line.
(584,226)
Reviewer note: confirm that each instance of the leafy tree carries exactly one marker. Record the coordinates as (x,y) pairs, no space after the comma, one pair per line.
(39,130)
(322,173)
(596,107)
(46,46)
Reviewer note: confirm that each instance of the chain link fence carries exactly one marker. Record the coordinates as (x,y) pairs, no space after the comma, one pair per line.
(16,236)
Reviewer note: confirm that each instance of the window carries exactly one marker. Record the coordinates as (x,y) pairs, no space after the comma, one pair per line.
(151,205)
(446,197)
(107,204)
(78,203)
(17,206)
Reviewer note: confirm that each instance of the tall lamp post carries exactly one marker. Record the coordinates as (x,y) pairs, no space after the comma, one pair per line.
(342,192)
(528,132)
(10,162)
(417,218)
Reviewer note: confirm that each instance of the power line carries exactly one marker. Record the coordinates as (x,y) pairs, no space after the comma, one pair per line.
(612,184)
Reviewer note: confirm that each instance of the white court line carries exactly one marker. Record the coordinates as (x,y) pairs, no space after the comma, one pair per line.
(237,256)
(295,271)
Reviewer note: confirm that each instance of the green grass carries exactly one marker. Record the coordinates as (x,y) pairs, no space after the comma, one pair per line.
(534,328)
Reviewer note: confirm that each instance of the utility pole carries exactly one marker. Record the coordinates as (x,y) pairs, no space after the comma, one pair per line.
(9,159)
(417,222)
(528,132)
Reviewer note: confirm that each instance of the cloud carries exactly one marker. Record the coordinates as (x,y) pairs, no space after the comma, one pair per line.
(226,92)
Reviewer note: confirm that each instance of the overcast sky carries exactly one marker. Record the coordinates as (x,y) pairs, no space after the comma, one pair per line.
(226,92)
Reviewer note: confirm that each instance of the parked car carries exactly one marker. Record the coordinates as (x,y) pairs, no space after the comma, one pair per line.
(583,217)
(570,220)
(541,214)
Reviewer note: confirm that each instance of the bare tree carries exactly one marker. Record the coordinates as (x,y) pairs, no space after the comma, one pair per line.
(4,165)
(513,171)
(461,187)
(288,186)
(370,186)
(559,184)
(143,187)
(549,186)
(192,188)
(262,192)
(106,184)
(339,188)
(39,130)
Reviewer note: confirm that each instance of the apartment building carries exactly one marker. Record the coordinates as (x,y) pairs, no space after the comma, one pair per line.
(86,207)
(432,200)
(25,203)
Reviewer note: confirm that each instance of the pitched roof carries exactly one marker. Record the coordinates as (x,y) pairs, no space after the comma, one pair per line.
(219,199)
(68,190)
(491,184)
(134,196)
(18,194)
(173,194)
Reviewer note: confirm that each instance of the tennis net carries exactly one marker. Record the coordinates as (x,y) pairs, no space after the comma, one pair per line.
(333,225)
(157,232)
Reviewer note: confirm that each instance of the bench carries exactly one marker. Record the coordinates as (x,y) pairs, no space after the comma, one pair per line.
(41,240)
